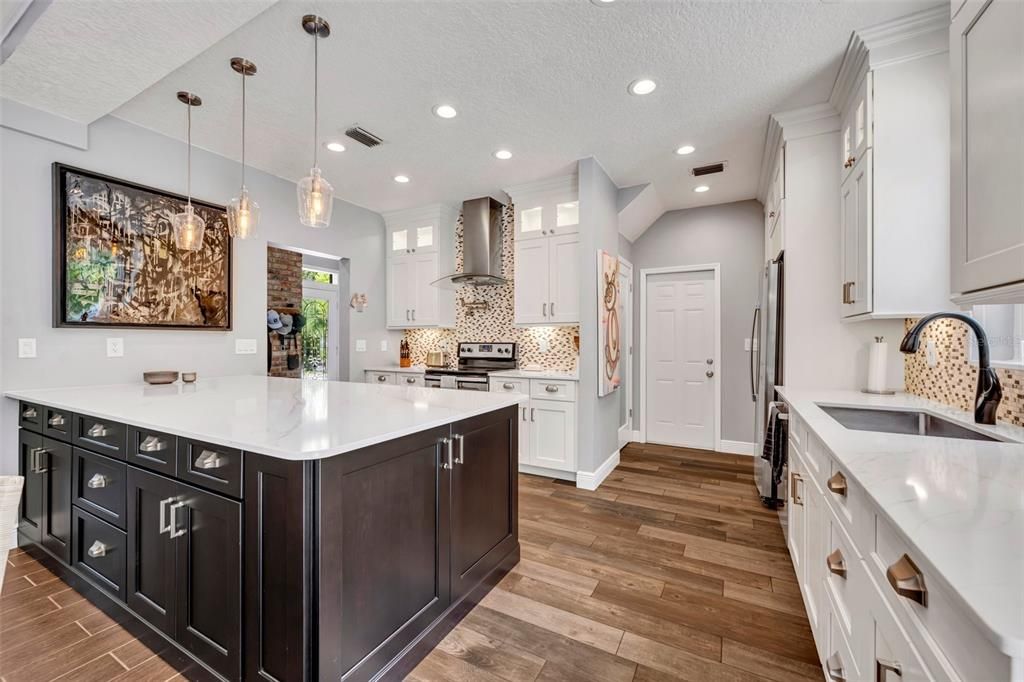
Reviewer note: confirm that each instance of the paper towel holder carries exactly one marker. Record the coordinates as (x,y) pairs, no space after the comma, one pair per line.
(878,339)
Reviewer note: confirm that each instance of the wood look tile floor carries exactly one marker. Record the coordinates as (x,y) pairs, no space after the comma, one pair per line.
(672,570)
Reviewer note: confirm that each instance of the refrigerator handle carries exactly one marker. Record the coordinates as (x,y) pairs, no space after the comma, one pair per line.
(755,347)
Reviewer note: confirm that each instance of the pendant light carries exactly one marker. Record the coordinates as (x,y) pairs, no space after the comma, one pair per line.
(316,196)
(243,212)
(188,226)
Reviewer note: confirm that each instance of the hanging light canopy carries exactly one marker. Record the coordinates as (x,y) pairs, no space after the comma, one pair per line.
(243,212)
(316,196)
(188,226)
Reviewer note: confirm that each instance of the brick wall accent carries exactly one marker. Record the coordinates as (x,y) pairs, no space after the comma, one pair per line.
(284,290)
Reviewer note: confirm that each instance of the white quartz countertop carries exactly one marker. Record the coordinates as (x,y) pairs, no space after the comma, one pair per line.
(959,503)
(415,369)
(537,374)
(293,419)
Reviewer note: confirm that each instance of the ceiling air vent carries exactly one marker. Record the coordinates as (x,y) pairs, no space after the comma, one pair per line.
(709,169)
(363,136)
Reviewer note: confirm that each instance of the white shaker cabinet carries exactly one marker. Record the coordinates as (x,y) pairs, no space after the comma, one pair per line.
(420,248)
(531,281)
(855,237)
(553,434)
(986,49)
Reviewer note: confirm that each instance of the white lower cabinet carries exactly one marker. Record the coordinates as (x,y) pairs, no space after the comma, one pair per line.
(371,376)
(547,426)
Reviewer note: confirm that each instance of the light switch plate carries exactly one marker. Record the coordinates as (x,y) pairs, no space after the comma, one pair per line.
(360,345)
(245,346)
(746,344)
(931,355)
(384,344)
(115,348)
(26,348)
(543,345)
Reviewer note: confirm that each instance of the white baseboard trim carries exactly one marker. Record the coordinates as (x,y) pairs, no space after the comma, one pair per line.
(547,473)
(591,480)
(736,447)
(636,437)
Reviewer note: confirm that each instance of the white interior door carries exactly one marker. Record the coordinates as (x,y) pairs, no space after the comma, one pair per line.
(680,359)
(626,336)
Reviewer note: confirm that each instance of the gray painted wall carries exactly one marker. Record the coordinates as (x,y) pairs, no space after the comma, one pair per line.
(78,357)
(599,216)
(732,235)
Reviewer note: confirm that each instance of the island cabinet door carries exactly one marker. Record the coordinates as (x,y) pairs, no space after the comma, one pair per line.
(151,560)
(207,530)
(484,523)
(384,551)
(30,517)
(55,465)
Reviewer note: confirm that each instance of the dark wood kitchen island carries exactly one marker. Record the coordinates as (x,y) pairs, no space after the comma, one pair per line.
(276,529)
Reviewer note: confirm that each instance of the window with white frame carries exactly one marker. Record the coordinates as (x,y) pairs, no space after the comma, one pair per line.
(1004,326)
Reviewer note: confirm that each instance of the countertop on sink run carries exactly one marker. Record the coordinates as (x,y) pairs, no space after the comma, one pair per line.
(549,374)
(960,503)
(295,419)
(415,369)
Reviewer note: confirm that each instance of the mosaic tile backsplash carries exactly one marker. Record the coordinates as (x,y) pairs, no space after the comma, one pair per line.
(495,323)
(954,379)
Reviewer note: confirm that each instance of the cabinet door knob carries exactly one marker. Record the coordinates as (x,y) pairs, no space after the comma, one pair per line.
(97,430)
(97,481)
(771,214)
(834,665)
(709,374)
(836,563)
(908,581)
(208,459)
(883,667)
(381,378)
(410,380)
(98,549)
(152,444)
(837,483)
(508,385)
(551,389)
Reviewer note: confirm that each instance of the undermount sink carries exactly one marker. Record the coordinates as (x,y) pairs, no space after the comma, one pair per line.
(901,421)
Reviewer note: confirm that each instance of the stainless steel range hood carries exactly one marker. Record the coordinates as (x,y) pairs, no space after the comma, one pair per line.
(481,246)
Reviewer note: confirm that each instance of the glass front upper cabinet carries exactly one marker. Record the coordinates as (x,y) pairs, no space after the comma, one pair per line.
(419,237)
(547,217)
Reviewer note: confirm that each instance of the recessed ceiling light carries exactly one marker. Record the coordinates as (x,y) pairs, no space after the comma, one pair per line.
(445,111)
(402,179)
(685,149)
(698,188)
(503,154)
(642,86)
(602,3)
(335,146)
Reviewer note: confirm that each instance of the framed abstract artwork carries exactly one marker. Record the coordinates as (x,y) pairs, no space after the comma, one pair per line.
(609,313)
(116,263)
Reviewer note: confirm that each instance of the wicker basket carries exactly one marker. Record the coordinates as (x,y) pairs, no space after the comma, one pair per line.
(10,498)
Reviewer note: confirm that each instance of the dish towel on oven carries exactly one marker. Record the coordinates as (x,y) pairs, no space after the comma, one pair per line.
(775,438)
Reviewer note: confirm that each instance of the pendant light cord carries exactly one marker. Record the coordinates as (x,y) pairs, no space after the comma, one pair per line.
(243,129)
(316,95)
(188,162)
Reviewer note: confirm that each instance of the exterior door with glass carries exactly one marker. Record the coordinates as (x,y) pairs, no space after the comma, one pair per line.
(321,345)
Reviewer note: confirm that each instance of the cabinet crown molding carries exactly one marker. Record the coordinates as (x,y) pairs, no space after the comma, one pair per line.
(794,124)
(562,183)
(429,212)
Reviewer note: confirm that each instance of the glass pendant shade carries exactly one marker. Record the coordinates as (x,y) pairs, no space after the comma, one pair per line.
(189,229)
(316,200)
(243,216)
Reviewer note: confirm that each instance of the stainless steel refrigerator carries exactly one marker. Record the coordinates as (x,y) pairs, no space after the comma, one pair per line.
(766,372)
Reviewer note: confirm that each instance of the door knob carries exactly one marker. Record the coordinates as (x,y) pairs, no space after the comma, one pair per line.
(709,374)
(710,361)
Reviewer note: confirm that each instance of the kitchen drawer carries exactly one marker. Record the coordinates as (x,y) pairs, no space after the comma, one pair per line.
(547,389)
(57,423)
(889,655)
(98,486)
(100,552)
(847,499)
(30,416)
(509,385)
(845,579)
(817,458)
(403,379)
(152,450)
(209,466)
(99,435)
(942,631)
(797,431)
(381,378)
(842,664)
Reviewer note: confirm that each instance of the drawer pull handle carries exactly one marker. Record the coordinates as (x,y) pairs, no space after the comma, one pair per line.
(381,377)
(551,389)
(97,481)
(208,459)
(794,494)
(884,667)
(36,460)
(836,563)
(97,430)
(29,413)
(164,526)
(410,380)
(834,665)
(56,420)
(508,385)
(837,483)
(98,549)
(908,581)
(152,444)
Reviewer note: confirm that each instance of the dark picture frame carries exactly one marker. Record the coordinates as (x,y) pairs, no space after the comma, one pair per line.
(125,248)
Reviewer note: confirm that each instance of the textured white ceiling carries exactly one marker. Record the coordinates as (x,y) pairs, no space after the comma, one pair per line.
(84,58)
(546,80)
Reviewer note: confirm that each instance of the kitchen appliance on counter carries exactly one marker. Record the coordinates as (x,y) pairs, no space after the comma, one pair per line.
(437,358)
(765,374)
(476,362)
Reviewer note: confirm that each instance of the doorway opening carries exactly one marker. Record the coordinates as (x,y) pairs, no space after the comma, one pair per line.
(680,341)
(626,329)
(321,343)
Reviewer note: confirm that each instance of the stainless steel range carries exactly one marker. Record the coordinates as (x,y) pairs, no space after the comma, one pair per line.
(476,362)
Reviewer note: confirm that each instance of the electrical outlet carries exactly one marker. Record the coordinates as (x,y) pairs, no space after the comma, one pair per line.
(115,348)
(746,345)
(384,344)
(360,345)
(930,353)
(543,345)
(245,346)
(26,348)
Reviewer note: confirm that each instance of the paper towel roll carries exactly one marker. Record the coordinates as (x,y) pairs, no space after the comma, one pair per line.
(876,366)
